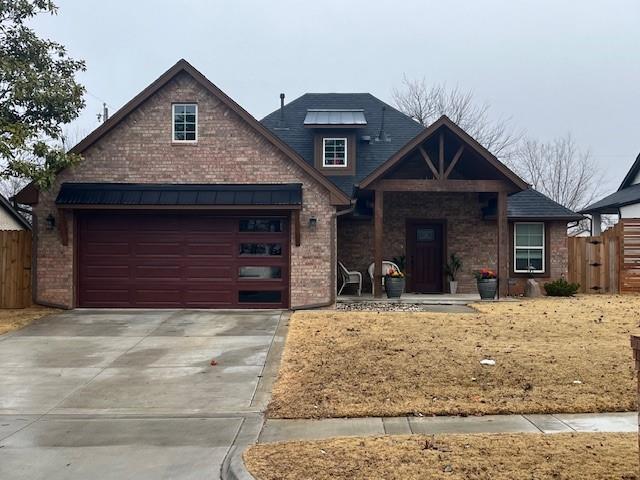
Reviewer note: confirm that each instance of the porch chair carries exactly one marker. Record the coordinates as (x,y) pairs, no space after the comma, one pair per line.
(349,278)
(386,265)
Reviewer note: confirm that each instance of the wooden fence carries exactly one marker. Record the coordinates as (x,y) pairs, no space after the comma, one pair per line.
(609,263)
(15,268)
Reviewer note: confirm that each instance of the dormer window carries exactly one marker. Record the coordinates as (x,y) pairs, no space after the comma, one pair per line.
(334,152)
(185,123)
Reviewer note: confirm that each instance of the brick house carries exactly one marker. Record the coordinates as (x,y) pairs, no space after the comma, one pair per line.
(183,199)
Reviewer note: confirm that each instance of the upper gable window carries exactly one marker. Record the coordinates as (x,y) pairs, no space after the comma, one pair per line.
(185,122)
(334,152)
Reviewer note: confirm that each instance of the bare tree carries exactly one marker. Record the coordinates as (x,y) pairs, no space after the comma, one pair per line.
(426,103)
(562,171)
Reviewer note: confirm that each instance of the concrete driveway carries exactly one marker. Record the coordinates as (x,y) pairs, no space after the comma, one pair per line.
(133,394)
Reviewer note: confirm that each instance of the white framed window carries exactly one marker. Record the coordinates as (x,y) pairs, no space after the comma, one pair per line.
(528,247)
(334,152)
(184,127)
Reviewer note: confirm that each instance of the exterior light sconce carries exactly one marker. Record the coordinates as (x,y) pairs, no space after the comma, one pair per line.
(51,222)
(313,222)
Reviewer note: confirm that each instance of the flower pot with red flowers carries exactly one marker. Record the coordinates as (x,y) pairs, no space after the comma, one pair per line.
(394,282)
(487,283)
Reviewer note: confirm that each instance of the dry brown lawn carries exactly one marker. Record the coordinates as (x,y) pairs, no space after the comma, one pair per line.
(454,457)
(552,355)
(15,318)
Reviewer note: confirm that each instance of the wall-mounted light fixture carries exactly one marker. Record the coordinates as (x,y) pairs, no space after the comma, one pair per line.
(313,222)
(51,222)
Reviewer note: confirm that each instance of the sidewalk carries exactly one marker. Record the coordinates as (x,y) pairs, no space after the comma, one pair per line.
(276,430)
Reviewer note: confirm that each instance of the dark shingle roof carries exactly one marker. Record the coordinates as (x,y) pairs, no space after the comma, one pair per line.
(179,194)
(531,204)
(613,202)
(4,203)
(398,127)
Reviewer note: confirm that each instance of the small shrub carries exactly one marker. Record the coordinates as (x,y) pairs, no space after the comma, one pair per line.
(561,288)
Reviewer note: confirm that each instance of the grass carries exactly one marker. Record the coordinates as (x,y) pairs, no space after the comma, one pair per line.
(552,355)
(455,457)
(15,318)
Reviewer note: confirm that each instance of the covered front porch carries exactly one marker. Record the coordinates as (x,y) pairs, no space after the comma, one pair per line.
(442,194)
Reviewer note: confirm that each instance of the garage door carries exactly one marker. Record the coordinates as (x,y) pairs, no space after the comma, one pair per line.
(182,260)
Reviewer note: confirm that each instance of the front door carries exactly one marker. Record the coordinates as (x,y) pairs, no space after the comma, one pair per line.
(425,249)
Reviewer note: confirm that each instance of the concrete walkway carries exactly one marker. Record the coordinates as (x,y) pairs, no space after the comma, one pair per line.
(276,430)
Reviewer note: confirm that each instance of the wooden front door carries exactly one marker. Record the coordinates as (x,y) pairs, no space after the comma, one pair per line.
(425,251)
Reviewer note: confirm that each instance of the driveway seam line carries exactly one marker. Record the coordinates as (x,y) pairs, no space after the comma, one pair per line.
(264,366)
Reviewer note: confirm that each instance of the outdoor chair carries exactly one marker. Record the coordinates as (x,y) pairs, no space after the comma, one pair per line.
(349,277)
(386,265)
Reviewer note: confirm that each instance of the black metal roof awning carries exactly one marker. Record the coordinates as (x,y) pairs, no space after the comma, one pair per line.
(140,195)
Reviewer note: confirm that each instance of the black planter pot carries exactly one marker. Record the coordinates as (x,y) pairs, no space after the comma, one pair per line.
(487,288)
(394,286)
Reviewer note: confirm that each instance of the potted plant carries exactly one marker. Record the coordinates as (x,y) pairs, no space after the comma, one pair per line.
(452,268)
(487,283)
(394,283)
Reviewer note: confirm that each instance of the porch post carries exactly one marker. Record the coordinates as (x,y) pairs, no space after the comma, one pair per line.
(377,243)
(503,245)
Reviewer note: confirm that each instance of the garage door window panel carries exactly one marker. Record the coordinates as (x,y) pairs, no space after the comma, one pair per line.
(261,225)
(259,296)
(255,272)
(248,249)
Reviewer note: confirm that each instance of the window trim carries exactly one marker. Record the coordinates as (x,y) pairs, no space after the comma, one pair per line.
(542,248)
(173,123)
(346,152)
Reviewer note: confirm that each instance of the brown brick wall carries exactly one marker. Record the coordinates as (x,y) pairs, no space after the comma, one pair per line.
(139,150)
(468,235)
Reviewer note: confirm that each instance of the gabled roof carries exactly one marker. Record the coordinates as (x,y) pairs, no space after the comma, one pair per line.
(627,194)
(426,133)
(612,203)
(6,205)
(183,66)
(398,130)
(631,174)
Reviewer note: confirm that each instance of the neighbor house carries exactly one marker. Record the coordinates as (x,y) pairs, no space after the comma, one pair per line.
(625,202)
(10,218)
(183,199)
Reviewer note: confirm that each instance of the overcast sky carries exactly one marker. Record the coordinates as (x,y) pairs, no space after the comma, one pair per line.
(552,66)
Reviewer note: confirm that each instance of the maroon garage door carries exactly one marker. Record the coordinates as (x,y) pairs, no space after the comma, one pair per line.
(182,260)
